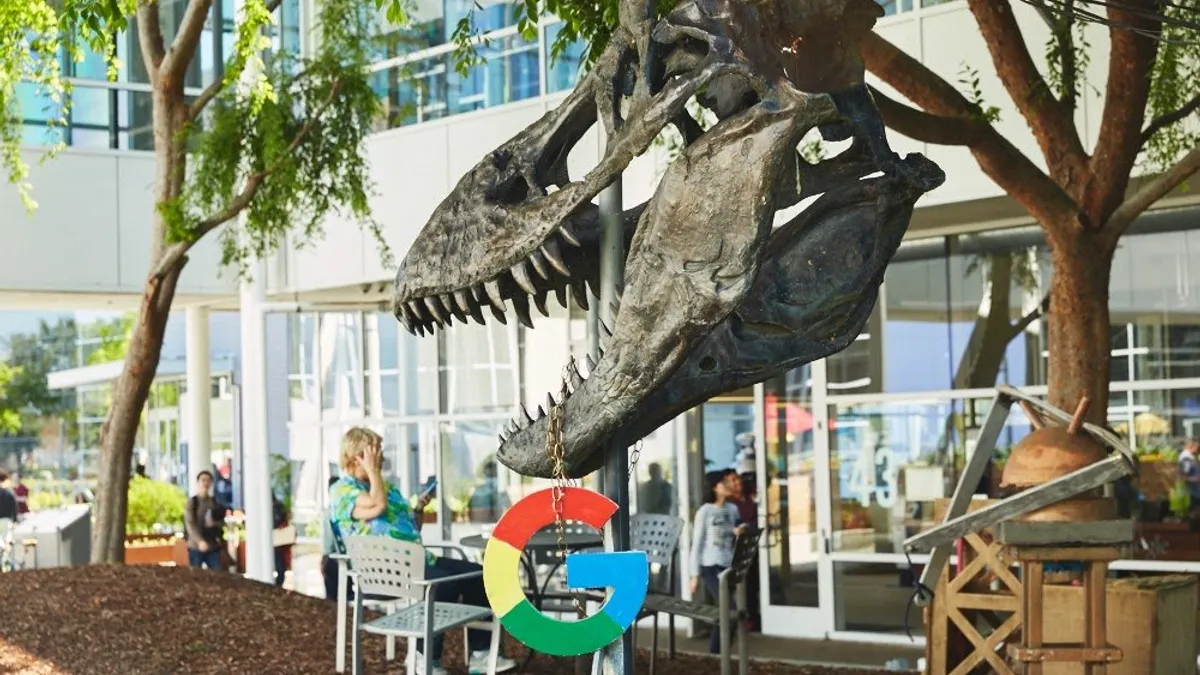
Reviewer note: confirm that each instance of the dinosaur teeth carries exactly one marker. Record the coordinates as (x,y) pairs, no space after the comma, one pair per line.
(421,329)
(549,400)
(502,439)
(590,364)
(604,327)
(498,312)
(560,294)
(580,295)
(538,260)
(452,306)
(521,275)
(541,412)
(565,231)
(554,254)
(521,306)
(576,378)
(493,293)
(528,418)
(460,299)
(435,308)
(539,301)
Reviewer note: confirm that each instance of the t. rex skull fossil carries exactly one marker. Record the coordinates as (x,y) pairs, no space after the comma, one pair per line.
(714,297)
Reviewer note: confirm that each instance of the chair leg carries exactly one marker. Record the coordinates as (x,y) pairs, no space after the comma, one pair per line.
(723,625)
(671,635)
(743,633)
(494,648)
(654,643)
(427,660)
(340,649)
(356,639)
(391,639)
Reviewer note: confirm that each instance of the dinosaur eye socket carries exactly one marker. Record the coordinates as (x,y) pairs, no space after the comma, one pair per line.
(708,364)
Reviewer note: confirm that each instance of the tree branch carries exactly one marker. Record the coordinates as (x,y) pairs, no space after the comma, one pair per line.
(183,47)
(1157,188)
(214,89)
(1050,119)
(1130,62)
(210,92)
(1000,160)
(1033,315)
(926,127)
(254,181)
(150,37)
(1159,123)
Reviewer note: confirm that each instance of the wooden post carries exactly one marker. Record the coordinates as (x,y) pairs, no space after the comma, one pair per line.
(1032,576)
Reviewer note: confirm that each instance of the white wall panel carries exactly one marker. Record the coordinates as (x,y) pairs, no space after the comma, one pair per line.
(71,241)
(91,231)
(413,176)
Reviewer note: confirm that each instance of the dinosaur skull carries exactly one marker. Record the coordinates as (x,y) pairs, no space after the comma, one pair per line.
(715,298)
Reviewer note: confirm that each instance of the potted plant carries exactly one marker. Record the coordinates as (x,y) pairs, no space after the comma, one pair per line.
(153,522)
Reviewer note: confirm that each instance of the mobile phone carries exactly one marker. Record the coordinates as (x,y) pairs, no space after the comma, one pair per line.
(429,487)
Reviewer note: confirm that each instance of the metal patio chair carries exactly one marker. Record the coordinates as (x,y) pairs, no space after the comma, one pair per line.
(343,603)
(383,567)
(658,536)
(732,585)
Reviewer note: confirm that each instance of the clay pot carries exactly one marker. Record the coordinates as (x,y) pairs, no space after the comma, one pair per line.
(1049,453)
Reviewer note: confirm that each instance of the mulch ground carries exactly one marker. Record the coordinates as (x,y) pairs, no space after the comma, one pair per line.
(109,620)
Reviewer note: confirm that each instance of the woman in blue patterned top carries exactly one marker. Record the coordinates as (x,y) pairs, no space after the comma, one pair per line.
(363,502)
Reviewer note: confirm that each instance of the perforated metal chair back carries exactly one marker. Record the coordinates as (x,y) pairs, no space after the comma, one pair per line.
(387,567)
(553,556)
(657,535)
(745,553)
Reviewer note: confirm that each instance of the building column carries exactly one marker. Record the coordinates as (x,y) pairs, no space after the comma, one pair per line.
(256,465)
(199,387)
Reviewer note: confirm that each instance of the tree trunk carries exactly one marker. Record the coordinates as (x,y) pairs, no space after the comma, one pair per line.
(1079,330)
(119,432)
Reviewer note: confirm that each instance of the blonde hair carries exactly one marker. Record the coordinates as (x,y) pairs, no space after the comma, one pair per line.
(354,444)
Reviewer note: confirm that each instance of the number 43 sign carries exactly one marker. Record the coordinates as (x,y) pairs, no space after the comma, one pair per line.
(626,573)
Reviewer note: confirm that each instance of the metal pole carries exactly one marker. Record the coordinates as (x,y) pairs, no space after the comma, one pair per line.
(617,659)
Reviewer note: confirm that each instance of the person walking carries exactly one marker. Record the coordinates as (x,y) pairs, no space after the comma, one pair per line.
(714,532)
(204,520)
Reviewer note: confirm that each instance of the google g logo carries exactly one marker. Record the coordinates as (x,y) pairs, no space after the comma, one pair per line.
(626,573)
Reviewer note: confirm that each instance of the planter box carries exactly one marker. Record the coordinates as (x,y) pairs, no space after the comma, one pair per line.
(1169,541)
(1152,620)
(150,555)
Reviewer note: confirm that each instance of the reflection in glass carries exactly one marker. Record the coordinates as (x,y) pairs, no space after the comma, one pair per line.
(792,535)
(563,69)
(341,359)
(874,597)
(479,369)
(475,491)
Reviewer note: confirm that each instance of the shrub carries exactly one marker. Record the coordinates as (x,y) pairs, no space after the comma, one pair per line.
(154,505)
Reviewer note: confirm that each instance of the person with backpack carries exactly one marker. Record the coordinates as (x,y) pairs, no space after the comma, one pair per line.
(204,520)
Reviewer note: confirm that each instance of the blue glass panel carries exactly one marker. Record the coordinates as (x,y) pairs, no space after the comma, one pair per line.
(562,72)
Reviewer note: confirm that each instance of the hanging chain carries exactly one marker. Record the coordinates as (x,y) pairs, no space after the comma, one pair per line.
(554,448)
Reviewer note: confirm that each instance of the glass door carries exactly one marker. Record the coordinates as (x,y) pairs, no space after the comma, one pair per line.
(793,490)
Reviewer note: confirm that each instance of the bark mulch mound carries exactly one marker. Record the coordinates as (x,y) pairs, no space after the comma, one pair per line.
(112,620)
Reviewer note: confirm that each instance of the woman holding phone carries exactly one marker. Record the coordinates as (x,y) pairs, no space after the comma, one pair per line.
(362,502)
